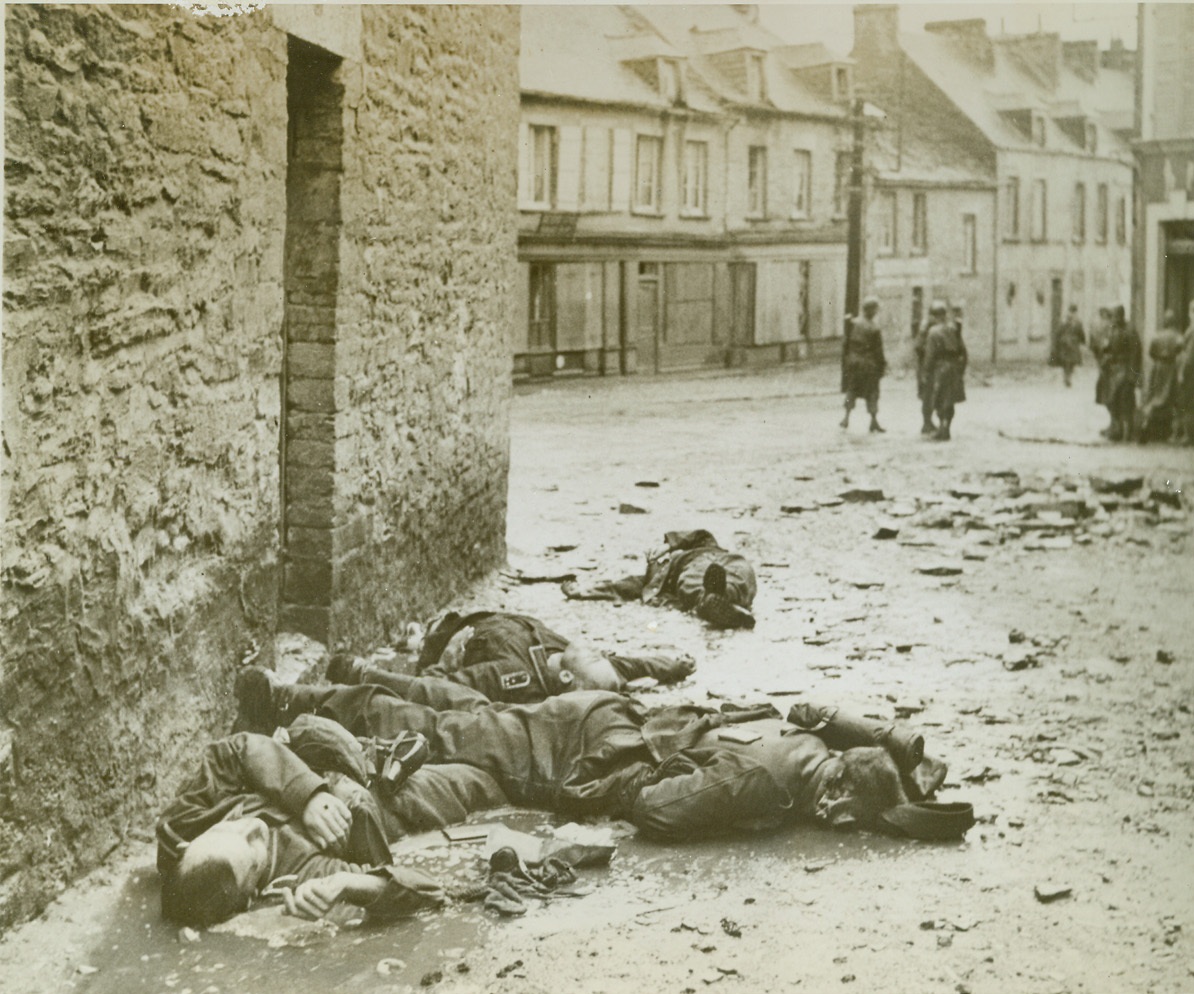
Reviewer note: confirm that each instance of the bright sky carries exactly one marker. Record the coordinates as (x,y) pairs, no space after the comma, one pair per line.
(833,24)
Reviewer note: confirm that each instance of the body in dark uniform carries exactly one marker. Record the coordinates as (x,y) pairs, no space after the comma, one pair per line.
(691,572)
(514,659)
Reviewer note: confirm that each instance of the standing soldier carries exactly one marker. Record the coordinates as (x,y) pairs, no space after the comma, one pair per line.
(1119,376)
(1183,414)
(944,367)
(1067,347)
(923,393)
(1158,406)
(863,363)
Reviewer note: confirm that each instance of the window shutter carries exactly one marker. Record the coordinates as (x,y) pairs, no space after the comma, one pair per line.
(524,164)
(568,179)
(620,171)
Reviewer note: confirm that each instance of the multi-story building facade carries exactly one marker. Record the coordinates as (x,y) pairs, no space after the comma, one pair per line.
(1002,179)
(680,192)
(1164,250)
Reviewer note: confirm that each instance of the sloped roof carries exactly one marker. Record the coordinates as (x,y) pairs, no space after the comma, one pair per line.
(813,53)
(983,96)
(584,52)
(703,31)
(917,162)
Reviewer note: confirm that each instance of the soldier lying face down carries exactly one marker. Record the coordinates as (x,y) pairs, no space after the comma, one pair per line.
(690,571)
(678,773)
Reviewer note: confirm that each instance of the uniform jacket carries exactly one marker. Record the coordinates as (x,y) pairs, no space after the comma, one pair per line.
(863,362)
(498,660)
(593,752)
(248,775)
(945,363)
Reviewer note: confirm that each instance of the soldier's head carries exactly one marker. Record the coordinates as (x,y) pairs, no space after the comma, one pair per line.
(870,307)
(859,785)
(220,872)
(1073,308)
(586,667)
(937,309)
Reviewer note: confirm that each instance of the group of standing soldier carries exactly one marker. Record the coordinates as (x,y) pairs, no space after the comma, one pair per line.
(941,360)
(1166,410)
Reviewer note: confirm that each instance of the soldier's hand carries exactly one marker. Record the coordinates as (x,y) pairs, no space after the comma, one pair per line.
(326,819)
(314,898)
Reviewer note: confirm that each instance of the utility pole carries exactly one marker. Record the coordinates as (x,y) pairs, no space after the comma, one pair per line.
(854,215)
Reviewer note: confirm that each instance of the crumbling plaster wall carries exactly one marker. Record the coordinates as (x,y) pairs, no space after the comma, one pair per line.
(145,154)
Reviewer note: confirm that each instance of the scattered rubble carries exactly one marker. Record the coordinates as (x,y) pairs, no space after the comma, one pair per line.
(861,495)
(1048,893)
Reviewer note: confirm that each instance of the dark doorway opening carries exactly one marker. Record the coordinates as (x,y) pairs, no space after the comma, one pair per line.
(311,268)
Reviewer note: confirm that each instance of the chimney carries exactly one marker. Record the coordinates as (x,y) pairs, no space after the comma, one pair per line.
(1081,58)
(970,38)
(748,10)
(1119,58)
(876,28)
(1039,54)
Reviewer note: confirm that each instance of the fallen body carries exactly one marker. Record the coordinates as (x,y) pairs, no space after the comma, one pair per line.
(691,572)
(515,659)
(679,773)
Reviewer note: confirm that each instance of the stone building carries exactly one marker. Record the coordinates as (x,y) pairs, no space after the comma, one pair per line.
(1003,180)
(1164,250)
(680,191)
(258,275)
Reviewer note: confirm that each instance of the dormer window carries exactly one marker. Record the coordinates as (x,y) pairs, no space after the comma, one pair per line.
(1038,130)
(670,89)
(1092,137)
(756,81)
(841,83)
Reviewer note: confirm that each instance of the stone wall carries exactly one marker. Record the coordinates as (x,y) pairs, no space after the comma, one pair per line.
(144,308)
(428,269)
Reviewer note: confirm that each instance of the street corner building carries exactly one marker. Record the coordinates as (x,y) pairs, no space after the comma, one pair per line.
(999,179)
(682,191)
(258,270)
(1165,153)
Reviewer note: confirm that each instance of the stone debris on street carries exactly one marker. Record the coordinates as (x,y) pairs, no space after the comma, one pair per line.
(1054,683)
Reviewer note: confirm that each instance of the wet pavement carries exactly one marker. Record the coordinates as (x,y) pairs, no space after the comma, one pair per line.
(1035,626)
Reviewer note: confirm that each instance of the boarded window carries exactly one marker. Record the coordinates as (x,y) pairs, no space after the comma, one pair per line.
(802,172)
(969,243)
(1079,213)
(887,222)
(696,176)
(1040,211)
(1011,209)
(920,224)
(756,203)
(543,165)
(646,173)
(1101,212)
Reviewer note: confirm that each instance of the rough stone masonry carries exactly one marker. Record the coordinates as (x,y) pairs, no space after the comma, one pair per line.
(256,372)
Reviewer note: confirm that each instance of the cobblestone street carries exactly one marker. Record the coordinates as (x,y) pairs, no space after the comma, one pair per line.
(1035,625)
